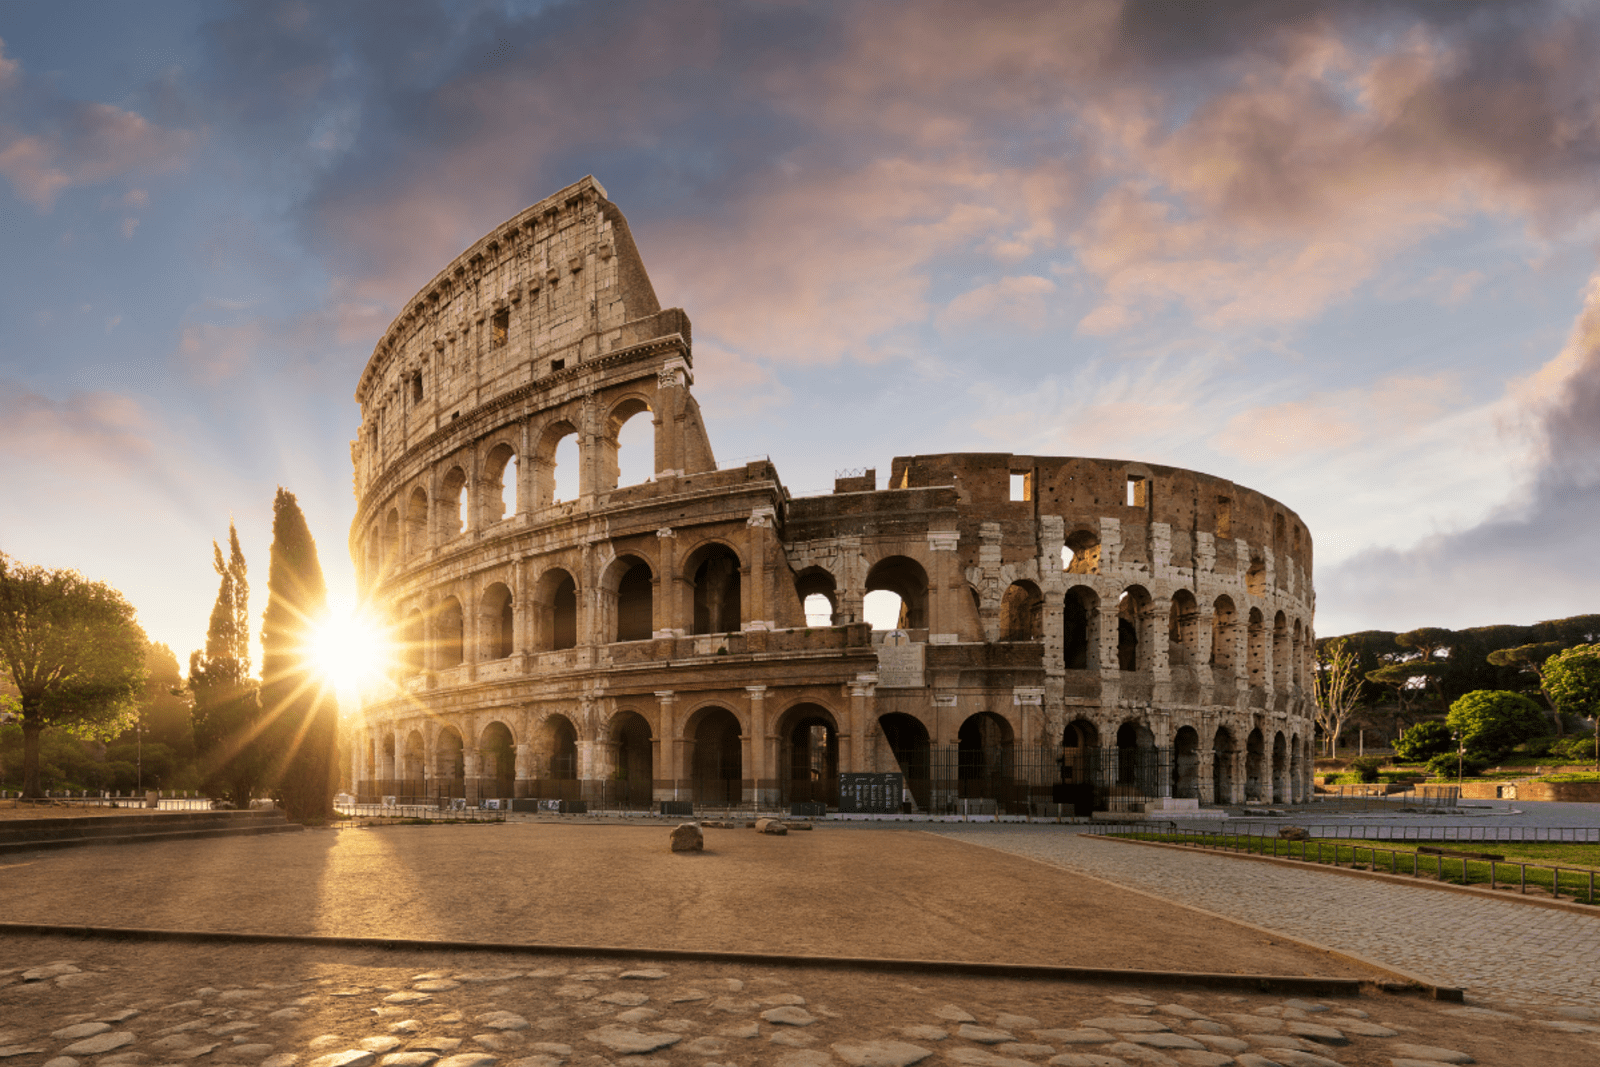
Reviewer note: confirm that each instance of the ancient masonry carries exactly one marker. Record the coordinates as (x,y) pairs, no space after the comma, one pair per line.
(1089,632)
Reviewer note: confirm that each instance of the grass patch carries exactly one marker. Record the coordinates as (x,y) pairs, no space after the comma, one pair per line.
(1578,864)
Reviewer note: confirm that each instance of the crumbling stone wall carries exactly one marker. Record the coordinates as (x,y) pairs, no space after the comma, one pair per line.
(1051,604)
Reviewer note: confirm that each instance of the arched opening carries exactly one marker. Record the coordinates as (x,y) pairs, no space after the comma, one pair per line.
(448,633)
(905,579)
(1080,646)
(417,522)
(1183,630)
(633,443)
(555,749)
(1296,787)
(497,762)
(818,596)
(718,767)
(1137,773)
(555,604)
(1076,767)
(1224,752)
(633,763)
(1186,764)
(449,765)
(565,469)
(1022,613)
(1256,650)
(499,492)
(452,505)
(985,760)
(413,643)
(1224,638)
(413,760)
(1081,552)
(1280,653)
(1133,612)
(1255,769)
(555,472)
(1280,769)
(635,601)
(496,622)
(908,743)
(809,753)
(717,594)
(1297,657)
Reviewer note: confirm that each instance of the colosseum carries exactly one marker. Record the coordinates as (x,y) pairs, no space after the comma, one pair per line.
(1070,635)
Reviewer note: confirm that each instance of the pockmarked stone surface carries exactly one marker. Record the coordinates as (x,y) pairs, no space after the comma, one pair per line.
(732,1017)
(688,837)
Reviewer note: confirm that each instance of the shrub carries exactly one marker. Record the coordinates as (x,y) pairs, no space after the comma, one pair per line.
(1365,768)
(1423,741)
(1578,749)
(1444,765)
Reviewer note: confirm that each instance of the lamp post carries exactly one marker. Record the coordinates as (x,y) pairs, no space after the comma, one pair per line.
(1461,749)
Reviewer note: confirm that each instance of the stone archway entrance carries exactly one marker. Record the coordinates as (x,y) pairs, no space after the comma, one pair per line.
(808,756)
(718,761)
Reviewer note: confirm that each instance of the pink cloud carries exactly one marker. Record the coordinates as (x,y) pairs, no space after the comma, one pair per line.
(92,144)
(1022,301)
(1394,409)
(93,428)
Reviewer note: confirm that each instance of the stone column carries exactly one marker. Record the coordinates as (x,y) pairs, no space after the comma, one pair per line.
(667,749)
(1108,620)
(943,620)
(854,751)
(757,611)
(1207,785)
(668,620)
(524,770)
(469,770)
(762,770)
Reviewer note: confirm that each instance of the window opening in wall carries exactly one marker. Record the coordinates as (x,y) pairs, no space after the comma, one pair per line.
(1021,487)
(818,611)
(499,328)
(1224,517)
(884,610)
(454,415)
(564,615)
(566,469)
(635,604)
(717,593)
(557,364)
(1081,553)
(1138,488)
(416,388)
(508,489)
(636,449)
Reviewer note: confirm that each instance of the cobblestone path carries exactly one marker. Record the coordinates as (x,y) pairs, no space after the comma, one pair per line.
(1500,951)
(145,1005)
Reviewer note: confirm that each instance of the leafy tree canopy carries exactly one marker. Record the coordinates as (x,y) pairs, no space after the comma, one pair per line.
(73,652)
(1492,722)
(1423,741)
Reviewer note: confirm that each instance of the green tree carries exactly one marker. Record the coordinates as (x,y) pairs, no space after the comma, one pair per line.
(1424,741)
(303,713)
(74,654)
(227,718)
(1530,659)
(1491,722)
(1572,678)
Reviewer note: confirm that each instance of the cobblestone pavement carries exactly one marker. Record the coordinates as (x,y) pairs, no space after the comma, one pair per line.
(1503,952)
(69,1003)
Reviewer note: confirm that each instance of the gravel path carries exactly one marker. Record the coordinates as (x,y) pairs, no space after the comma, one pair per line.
(1502,951)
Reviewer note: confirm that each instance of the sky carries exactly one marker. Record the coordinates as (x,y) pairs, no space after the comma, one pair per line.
(1346,254)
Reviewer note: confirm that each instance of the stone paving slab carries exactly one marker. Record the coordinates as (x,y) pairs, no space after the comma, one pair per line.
(1499,951)
(71,1002)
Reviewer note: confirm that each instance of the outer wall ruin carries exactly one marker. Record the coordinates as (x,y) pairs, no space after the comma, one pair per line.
(1067,625)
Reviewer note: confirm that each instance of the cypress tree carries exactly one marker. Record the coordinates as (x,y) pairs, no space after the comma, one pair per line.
(227,718)
(303,714)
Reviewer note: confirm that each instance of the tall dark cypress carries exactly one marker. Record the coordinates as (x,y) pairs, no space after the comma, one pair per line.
(302,711)
(226,718)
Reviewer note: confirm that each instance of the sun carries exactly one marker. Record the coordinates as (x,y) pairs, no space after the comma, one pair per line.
(349,649)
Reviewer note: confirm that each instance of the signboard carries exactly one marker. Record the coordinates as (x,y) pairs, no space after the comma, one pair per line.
(492,804)
(870,794)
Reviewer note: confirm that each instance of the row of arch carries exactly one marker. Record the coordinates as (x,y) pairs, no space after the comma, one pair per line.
(622,454)
(1228,763)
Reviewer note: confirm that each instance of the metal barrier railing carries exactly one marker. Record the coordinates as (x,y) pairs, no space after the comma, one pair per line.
(1444,866)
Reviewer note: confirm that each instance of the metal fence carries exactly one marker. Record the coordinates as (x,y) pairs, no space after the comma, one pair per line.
(1379,796)
(1424,832)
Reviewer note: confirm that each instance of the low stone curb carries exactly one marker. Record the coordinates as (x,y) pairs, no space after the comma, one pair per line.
(1254,982)
(1436,990)
(1591,910)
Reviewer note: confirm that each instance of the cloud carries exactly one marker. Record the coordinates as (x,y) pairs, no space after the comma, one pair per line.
(1535,550)
(92,429)
(1394,410)
(50,145)
(1015,301)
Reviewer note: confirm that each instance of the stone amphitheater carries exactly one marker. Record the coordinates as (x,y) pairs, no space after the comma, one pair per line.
(1072,634)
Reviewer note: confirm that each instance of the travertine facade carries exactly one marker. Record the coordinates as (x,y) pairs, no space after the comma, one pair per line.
(651,640)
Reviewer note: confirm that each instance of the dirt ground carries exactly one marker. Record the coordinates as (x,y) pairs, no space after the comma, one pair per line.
(901,894)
